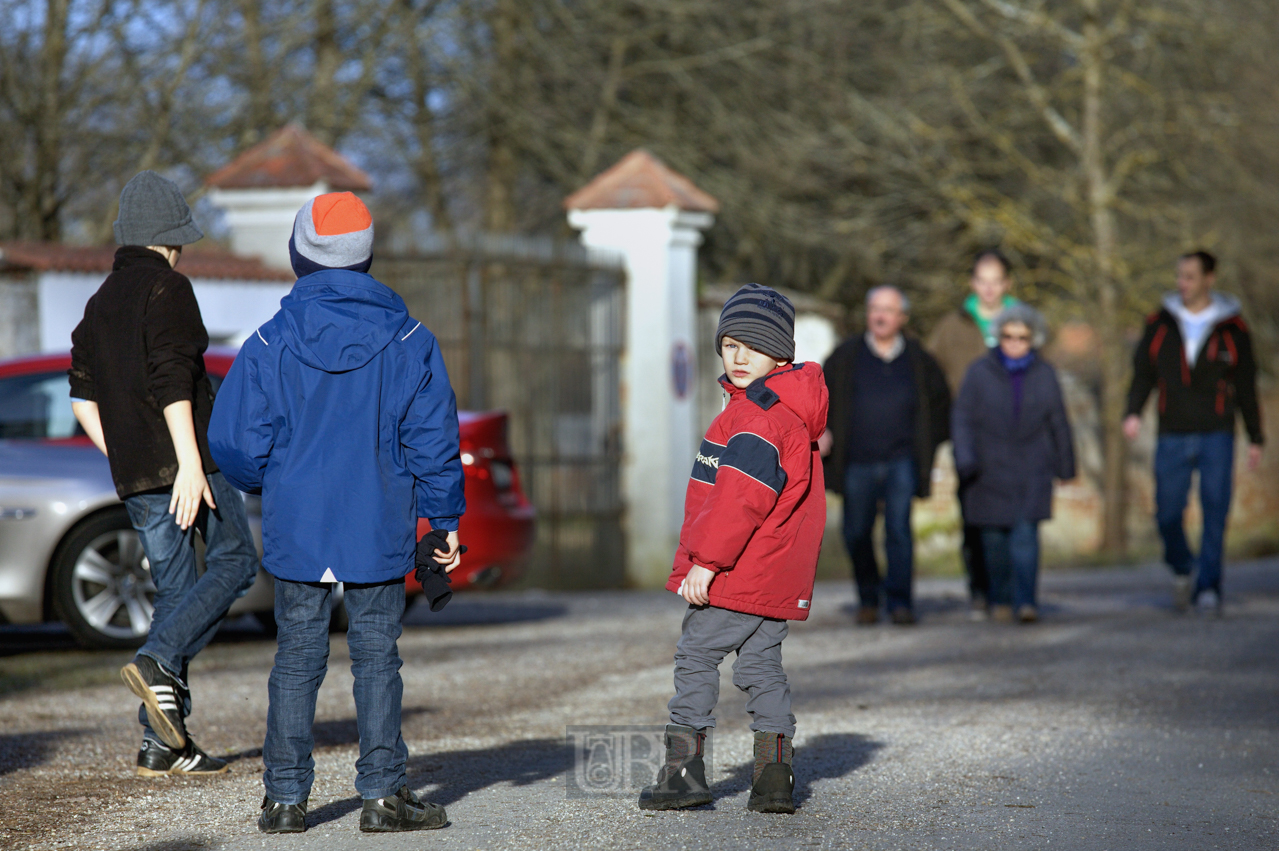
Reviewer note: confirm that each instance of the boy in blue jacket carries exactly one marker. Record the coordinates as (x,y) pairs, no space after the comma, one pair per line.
(340,413)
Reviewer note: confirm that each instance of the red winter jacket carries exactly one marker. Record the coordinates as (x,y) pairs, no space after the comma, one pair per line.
(755,508)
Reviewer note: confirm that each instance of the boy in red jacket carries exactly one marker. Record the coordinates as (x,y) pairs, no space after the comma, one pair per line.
(754,514)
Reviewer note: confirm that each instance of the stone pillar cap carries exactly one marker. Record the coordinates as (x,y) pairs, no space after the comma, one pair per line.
(641,181)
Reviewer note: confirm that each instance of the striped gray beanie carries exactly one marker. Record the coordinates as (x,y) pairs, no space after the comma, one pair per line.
(762,318)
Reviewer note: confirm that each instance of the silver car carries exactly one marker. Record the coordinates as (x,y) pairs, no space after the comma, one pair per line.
(67,549)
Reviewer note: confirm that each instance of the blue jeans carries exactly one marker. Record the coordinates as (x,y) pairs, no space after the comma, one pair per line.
(189,609)
(1012,562)
(1212,453)
(864,486)
(301,660)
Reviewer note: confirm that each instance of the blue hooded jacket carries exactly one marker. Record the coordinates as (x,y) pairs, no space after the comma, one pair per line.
(340,413)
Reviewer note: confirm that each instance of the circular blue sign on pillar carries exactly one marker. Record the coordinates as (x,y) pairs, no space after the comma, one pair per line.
(681,369)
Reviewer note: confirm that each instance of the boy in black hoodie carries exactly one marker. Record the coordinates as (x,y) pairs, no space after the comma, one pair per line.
(140,391)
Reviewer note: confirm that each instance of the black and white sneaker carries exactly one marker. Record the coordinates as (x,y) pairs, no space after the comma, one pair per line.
(163,695)
(157,760)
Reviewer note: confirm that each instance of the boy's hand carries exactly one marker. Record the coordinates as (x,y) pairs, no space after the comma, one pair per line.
(696,587)
(189,488)
(451,559)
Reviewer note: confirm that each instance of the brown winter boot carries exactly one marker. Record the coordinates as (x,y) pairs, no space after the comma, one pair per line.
(773,785)
(681,782)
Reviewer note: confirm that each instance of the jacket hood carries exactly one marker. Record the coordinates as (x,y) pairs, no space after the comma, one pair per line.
(800,387)
(337,320)
(1222,307)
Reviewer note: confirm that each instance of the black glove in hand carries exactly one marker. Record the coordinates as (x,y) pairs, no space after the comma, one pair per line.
(430,573)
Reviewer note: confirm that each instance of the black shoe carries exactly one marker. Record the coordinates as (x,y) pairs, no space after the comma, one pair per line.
(902,616)
(773,779)
(163,695)
(282,818)
(401,811)
(157,760)
(774,791)
(681,781)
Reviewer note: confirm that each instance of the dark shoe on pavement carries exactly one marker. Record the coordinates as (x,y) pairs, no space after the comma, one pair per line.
(773,781)
(977,608)
(1209,603)
(282,818)
(681,781)
(163,695)
(401,811)
(159,760)
(1182,592)
(1027,614)
(1001,614)
(867,615)
(903,616)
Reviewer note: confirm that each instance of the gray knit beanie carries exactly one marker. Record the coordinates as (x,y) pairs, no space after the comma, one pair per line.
(762,318)
(153,212)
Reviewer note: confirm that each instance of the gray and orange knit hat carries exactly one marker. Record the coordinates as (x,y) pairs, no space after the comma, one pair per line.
(333,231)
(762,318)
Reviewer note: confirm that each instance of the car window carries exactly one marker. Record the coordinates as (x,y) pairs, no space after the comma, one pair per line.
(37,406)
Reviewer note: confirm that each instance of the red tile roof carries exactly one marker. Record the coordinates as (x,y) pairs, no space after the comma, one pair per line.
(195,263)
(641,180)
(289,157)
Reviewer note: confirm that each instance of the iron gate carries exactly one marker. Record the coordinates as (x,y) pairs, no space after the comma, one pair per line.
(535,328)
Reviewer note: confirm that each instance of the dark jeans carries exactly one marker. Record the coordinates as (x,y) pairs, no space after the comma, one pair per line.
(188,609)
(1177,456)
(865,485)
(1012,562)
(301,661)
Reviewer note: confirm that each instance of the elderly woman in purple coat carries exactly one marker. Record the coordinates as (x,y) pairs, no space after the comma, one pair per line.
(1011,439)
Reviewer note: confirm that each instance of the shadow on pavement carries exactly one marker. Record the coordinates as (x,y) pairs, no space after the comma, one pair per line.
(26,750)
(456,774)
(820,758)
(471,612)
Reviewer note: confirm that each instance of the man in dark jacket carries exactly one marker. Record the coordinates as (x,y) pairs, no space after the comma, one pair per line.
(142,395)
(889,411)
(1197,351)
(340,413)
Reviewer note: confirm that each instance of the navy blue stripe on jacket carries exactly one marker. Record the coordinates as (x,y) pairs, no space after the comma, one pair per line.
(707,462)
(754,456)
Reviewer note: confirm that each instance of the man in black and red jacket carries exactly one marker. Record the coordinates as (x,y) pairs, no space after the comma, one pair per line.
(1197,351)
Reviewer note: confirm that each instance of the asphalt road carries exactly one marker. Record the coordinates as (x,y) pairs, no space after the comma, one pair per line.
(1112,724)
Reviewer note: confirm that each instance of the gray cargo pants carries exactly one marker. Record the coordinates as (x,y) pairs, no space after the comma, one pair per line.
(708,635)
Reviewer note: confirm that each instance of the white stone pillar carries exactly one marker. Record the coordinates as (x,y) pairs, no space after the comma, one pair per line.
(260,221)
(659,393)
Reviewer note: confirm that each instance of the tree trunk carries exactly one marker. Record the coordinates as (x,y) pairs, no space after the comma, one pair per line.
(1114,539)
(44,200)
(323,95)
(261,119)
(499,205)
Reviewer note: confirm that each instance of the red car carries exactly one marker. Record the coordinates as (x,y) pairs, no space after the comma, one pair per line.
(67,550)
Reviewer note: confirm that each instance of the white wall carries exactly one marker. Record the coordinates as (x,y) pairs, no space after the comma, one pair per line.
(659,250)
(231,309)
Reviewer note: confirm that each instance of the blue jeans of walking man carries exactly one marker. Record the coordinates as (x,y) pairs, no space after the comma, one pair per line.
(865,486)
(301,661)
(1177,456)
(188,608)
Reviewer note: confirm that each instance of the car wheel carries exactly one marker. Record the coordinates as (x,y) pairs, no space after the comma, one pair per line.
(101,582)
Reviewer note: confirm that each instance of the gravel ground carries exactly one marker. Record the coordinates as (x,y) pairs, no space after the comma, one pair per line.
(1112,724)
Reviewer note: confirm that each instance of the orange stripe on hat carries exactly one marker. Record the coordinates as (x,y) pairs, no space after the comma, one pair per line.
(339,212)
